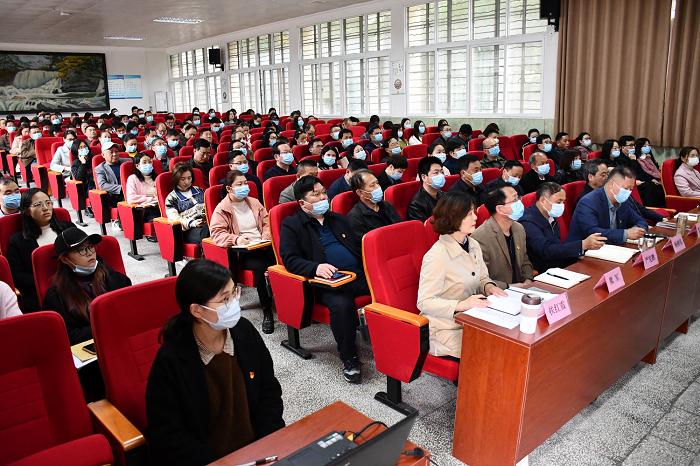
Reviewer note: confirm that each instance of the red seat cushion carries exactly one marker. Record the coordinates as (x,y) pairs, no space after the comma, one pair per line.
(87,451)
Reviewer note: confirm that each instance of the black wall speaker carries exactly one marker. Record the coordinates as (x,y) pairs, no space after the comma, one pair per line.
(550,10)
(214,56)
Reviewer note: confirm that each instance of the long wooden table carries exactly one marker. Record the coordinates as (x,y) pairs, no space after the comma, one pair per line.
(517,389)
(335,417)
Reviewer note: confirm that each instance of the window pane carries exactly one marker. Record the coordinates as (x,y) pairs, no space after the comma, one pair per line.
(421,88)
(281,46)
(453,20)
(453,82)
(235,97)
(525,17)
(188,95)
(524,75)
(322,88)
(214,87)
(489,18)
(354,87)
(174,66)
(249,99)
(379,31)
(487,79)
(177,97)
(201,96)
(420,24)
(247,53)
(283,103)
(199,61)
(264,50)
(309,42)
(378,85)
(330,39)
(233,55)
(354,35)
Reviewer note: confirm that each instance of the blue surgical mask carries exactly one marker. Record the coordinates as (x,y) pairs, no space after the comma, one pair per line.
(421,129)
(272,142)
(362,155)
(173,143)
(377,195)
(518,209)
(287,158)
(460,153)
(41,118)
(622,195)
(146,169)
(495,150)
(543,169)
(244,150)
(477,178)
(329,160)
(256,123)
(438,181)
(447,134)
(80,270)
(441,156)
(69,144)
(300,122)
(399,134)
(614,153)
(533,140)
(36,136)
(378,137)
(212,115)
(10,129)
(216,128)
(407,126)
(105,140)
(557,209)
(149,119)
(630,152)
(131,148)
(547,147)
(586,142)
(243,168)
(646,150)
(55,121)
(160,150)
(396,176)
(241,192)
(576,164)
(396,151)
(319,208)
(135,132)
(346,142)
(83,152)
(11,201)
(513,181)
(195,113)
(335,134)
(196,122)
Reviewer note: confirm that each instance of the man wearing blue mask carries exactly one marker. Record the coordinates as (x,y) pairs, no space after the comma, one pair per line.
(539,172)
(424,201)
(456,149)
(511,174)
(284,157)
(445,134)
(173,139)
(470,178)
(464,135)
(541,222)
(371,211)
(606,210)
(315,242)
(492,154)
(9,196)
(502,239)
(374,134)
(342,184)
(395,166)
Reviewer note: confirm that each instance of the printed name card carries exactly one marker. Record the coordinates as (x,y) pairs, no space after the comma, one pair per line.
(612,280)
(676,242)
(649,258)
(557,308)
(693,231)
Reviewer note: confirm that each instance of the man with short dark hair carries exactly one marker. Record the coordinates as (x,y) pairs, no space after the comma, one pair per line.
(374,134)
(9,196)
(188,132)
(562,143)
(108,173)
(606,210)
(424,201)
(445,134)
(345,137)
(283,161)
(544,246)
(342,184)
(511,174)
(595,171)
(306,167)
(371,211)
(334,131)
(456,149)
(315,242)
(173,139)
(238,161)
(395,166)
(200,159)
(470,178)
(538,174)
(464,135)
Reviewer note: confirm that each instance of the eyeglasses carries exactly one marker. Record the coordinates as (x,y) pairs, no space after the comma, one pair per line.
(319,193)
(39,205)
(513,201)
(85,250)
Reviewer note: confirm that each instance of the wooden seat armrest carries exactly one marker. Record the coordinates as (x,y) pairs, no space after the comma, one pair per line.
(77,182)
(398,314)
(127,204)
(279,269)
(682,198)
(98,191)
(118,427)
(167,221)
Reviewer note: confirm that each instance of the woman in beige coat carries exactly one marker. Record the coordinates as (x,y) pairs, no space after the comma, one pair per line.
(453,277)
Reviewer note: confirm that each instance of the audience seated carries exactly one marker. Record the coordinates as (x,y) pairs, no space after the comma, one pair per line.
(27,152)
(23,130)
(629,153)
(200,159)
(464,135)
(185,204)
(328,159)
(445,133)
(424,201)
(418,132)
(648,174)
(470,178)
(203,400)
(61,158)
(173,138)
(511,174)
(453,276)
(9,196)
(160,151)
(108,175)
(339,249)
(569,167)
(304,168)
(81,168)
(315,145)
(455,148)
(437,149)
(240,220)
(282,152)
(5,143)
(392,147)
(371,211)
(141,187)
(130,144)
(391,175)
(583,144)
(544,245)
(532,136)
(561,144)
(40,226)
(8,302)
(610,153)
(685,176)
(606,211)
(538,174)
(492,154)
(502,239)
(544,144)
(374,134)
(342,184)
(238,161)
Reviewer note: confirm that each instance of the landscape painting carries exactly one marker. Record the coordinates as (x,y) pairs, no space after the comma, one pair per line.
(32,81)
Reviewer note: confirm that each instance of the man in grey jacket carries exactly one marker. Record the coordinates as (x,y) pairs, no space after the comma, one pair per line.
(107,174)
(304,168)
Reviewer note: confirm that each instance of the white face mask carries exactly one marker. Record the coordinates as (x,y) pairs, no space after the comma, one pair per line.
(229,315)
(692,161)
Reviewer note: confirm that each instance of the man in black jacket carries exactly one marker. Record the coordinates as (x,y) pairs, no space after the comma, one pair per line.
(422,205)
(395,166)
(539,172)
(315,242)
(470,178)
(371,211)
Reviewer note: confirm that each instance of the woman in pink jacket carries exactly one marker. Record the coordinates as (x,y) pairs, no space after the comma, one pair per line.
(240,220)
(141,187)
(686,178)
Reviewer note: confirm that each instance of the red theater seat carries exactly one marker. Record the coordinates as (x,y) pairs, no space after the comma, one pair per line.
(673,198)
(328,177)
(42,173)
(490,174)
(273,187)
(11,224)
(416,151)
(401,194)
(343,202)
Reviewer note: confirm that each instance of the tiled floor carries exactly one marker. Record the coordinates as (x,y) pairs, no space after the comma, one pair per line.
(651,416)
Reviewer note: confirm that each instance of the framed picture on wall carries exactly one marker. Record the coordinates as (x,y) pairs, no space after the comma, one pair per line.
(61,81)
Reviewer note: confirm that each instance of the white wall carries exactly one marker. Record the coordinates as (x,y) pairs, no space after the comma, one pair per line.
(151,64)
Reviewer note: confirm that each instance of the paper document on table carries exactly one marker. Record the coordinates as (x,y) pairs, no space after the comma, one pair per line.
(495,317)
(80,364)
(561,277)
(691,217)
(546,296)
(508,304)
(613,253)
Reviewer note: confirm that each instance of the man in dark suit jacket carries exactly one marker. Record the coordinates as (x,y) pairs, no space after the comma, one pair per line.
(315,242)
(541,223)
(539,173)
(470,178)
(424,201)
(395,166)
(371,211)
(607,211)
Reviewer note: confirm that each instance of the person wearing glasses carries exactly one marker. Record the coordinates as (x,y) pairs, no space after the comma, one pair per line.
(40,227)
(502,239)
(212,387)
(81,276)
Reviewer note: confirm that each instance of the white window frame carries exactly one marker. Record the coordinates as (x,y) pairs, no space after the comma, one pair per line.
(195,78)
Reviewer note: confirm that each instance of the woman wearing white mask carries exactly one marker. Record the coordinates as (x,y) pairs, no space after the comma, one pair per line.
(185,204)
(648,175)
(399,132)
(212,388)
(61,158)
(610,153)
(570,168)
(418,132)
(686,177)
(353,151)
(241,220)
(583,143)
(141,187)
(81,276)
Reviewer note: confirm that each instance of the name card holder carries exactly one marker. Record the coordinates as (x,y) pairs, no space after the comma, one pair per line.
(611,281)
(649,258)
(693,231)
(557,308)
(676,242)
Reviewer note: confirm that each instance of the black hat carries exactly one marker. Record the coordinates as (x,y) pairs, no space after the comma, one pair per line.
(71,238)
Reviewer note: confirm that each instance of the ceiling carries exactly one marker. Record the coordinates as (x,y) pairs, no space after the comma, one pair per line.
(41,22)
